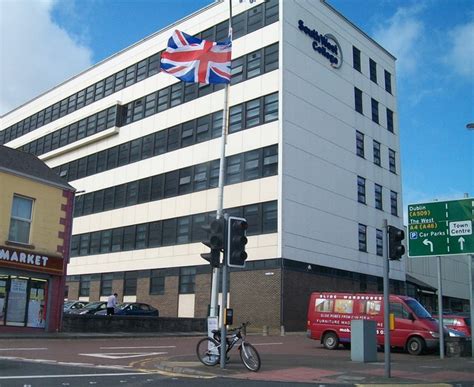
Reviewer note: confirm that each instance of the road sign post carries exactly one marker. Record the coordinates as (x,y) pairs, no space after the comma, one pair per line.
(441,228)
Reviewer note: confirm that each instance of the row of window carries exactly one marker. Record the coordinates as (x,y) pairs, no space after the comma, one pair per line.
(372,69)
(363,240)
(151,104)
(74,132)
(378,192)
(358,105)
(246,166)
(258,111)
(261,218)
(244,23)
(376,150)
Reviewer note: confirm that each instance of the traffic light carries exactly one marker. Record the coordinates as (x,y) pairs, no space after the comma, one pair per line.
(216,231)
(236,241)
(395,246)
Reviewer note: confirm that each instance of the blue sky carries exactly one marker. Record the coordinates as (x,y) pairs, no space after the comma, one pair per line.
(44,42)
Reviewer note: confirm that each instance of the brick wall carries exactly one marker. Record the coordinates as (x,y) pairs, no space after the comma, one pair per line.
(255,297)
(73,290)
(166,303)
(203,294)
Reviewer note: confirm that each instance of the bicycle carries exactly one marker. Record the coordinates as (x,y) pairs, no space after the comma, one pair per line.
(208,349)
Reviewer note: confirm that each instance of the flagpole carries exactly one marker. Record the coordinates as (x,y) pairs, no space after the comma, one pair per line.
(213,312)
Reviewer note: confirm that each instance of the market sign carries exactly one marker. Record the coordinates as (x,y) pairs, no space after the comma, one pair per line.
(441,228)
(29,260)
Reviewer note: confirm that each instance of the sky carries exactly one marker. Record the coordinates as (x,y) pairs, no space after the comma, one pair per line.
(44,42)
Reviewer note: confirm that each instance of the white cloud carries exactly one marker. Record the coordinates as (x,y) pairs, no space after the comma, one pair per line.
(401,36)
(36,54)
(461,55)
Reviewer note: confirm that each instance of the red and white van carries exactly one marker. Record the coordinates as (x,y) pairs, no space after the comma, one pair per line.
(330,315)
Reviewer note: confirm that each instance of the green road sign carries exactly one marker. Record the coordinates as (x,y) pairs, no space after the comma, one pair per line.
(441,228)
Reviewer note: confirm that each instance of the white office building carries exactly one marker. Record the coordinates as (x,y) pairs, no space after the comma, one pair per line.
(312,162)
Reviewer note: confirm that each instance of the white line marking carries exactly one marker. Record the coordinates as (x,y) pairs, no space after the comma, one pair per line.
(70,376)
(122,355)
(152,347)
(23,349)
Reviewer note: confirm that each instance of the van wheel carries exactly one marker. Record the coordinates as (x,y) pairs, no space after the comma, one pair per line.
(330,340)
(415,346)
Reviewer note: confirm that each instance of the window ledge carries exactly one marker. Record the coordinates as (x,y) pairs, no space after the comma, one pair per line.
(19,244)
(79,144)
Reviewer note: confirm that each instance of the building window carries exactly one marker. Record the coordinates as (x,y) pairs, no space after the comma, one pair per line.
(20,222)
(375,111)
(378,197)
(356,58)
(394,203)
(106,280)
(130,283)
(392,164)
(377,159)
(373,70)
(84,285)
(379,242)
(187,280)
(360,144)
(388,82)
(358,100)
(360,189)
(389,120)
(362,237)
(157,282)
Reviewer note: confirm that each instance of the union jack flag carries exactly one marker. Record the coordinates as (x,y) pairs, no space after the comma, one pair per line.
(195,60)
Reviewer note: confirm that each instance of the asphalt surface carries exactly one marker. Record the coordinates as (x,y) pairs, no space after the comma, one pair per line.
(292,359)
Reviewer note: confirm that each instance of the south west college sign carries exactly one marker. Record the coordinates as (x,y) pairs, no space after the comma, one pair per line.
(326,45)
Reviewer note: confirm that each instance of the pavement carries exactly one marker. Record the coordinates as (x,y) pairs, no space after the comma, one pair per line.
(295,358)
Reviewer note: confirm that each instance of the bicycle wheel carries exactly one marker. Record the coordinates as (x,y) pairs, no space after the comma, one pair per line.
(207,350)
(250,357)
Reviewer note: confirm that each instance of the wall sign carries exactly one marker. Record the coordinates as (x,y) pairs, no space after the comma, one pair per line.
(326,45)
(28,260)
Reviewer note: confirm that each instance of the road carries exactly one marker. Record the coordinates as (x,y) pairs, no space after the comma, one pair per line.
(140,361)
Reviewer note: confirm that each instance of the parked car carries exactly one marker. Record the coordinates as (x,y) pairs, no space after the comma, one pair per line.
(459,322)
(133,309)
(91,308)
(71,305)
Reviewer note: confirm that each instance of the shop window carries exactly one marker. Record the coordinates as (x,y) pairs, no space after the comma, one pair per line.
(20,222)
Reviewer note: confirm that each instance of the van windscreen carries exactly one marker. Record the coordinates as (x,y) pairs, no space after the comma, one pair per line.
(418,309)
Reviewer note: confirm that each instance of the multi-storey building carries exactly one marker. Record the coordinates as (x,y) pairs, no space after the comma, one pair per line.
(312,162)
(35,235)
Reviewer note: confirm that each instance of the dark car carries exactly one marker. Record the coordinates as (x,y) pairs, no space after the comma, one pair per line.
(72,305)
(91,308)
(133,309)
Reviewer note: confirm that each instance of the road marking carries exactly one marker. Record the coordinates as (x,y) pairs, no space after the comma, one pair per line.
(69,376)
(122,355)
(23,349)
(152,347)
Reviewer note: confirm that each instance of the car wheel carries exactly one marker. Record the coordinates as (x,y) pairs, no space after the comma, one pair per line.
(330,340)
(415,346)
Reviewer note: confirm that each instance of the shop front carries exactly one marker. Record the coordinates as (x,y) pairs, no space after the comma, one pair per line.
(27,297)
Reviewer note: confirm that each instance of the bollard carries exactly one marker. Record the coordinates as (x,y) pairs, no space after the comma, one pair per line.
(265,330)
(282,330)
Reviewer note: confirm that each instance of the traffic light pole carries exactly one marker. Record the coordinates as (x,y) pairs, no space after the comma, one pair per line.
(386,303)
